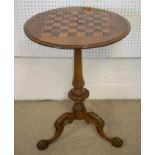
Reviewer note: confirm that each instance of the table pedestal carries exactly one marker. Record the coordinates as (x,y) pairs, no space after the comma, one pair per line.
(78,94)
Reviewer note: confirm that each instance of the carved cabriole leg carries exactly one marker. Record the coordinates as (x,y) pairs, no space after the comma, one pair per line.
(93,118)
(63,120)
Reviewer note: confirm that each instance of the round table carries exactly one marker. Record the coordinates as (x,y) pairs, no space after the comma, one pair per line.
(77,28)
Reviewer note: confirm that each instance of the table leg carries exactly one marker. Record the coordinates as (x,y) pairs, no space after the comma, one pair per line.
(96,120)
(63,120)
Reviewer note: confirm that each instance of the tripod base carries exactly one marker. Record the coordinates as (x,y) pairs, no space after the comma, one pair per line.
(78,113)
(78,94)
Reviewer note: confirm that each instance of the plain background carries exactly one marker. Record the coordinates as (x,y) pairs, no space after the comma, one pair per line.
(6,79)
(51,78)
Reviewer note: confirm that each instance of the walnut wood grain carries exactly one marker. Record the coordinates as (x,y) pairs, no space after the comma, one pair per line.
(76,27)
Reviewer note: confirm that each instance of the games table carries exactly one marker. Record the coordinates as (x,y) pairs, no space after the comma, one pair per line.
(77,28)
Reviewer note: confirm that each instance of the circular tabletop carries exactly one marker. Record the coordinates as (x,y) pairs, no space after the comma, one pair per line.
(76,27)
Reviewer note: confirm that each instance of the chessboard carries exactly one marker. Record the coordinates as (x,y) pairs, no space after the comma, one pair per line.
(76,27)
(76,23)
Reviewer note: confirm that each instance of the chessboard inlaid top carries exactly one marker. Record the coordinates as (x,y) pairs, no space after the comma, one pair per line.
(76,27)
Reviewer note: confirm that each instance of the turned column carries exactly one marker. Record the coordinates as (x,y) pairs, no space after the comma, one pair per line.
(78,94)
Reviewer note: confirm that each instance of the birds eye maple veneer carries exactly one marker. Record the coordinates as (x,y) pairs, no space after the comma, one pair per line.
(77,28)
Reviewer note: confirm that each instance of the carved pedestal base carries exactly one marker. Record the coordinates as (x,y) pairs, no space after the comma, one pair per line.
(78,94)
(79,113)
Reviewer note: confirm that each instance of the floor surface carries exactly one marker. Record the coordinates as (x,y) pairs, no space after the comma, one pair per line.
(34,121)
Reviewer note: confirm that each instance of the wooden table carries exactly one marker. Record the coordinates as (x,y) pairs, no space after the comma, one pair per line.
(77,28)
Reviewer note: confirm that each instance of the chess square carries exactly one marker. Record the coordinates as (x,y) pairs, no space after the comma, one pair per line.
(89,19)
(71,33)
(83,15)
(105,19)
(97,22)
(81,21)
(63,34)
(55,34)
(96,34)
(80,34)
(58,19)
(106,30)
(88,33)
(46,31)
(74,13)
(90,24)
(66,15)
(97,30)
(72,26)
(65,22)
(80,28)
(73,20)
(96,27)
(48,24)
(56,24)
(97,15)
(55,27)
(59,13)
(89,30)
(51,16)
(72,30)
(64,28)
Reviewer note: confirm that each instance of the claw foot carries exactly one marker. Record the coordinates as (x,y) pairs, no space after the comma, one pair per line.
(117,142)
(42,144)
